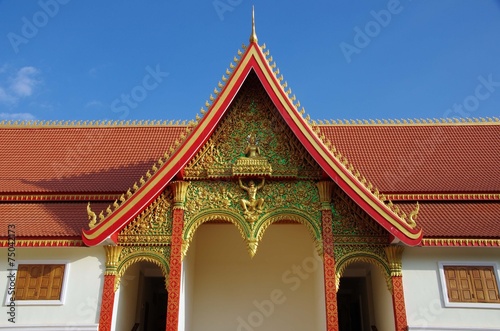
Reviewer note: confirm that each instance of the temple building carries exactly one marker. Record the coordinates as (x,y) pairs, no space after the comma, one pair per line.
(250,217)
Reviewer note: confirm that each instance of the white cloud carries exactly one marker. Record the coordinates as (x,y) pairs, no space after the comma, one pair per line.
(25,81)
(17,116)
(19,85)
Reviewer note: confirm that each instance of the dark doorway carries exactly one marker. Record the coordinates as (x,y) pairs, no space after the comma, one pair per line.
(352,303)
(153,304)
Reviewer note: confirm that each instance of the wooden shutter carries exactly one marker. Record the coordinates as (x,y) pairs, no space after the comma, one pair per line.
(39,281)
(491,286)
(471,284)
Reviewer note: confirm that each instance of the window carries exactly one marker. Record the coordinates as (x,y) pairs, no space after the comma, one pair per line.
(470,284)
(39,281)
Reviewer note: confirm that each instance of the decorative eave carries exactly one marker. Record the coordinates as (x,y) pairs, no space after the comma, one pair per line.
(41,197)
(253,59)
(41,242)
(460,242)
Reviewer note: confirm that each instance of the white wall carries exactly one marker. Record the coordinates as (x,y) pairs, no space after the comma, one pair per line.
(126,298)
(82,302)
(382,300)
(424,299)
(276,290)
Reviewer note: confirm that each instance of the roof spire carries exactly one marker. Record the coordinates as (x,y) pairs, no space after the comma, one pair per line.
(253,36)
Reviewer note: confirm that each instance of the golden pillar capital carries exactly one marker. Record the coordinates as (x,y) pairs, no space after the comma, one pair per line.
(179,189)
(112,258)
(325,190)
(394,257)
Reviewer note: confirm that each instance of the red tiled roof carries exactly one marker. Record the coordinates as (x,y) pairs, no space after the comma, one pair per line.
(458,219)
(80,159)
(396,159)
(46,219)
(417,158)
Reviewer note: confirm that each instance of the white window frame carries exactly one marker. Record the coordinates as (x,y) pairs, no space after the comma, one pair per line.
(444,288)
(64,286)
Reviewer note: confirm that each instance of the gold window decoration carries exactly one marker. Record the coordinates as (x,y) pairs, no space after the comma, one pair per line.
(39,281)
(471,284)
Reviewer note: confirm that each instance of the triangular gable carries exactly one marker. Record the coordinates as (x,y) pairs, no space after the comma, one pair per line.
(252,60)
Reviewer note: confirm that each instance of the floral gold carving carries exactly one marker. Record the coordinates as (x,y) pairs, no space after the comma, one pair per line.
(153,226)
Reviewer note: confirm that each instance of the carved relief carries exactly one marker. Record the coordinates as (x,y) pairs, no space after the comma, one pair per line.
(153,226)
(252,133)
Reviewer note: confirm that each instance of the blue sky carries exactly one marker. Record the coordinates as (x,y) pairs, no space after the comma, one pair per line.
(75,60)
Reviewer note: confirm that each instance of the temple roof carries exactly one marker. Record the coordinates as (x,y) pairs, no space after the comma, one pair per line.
(50,172)
(47,171)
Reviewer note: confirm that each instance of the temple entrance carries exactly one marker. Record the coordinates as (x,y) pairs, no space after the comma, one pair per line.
(280,288)
(364,301)
(141,299)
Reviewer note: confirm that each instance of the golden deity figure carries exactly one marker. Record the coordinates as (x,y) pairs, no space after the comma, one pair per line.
(252,150)
(253,164)
(252,205)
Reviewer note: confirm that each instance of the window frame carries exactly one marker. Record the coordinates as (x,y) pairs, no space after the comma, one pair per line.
(64,285)
(444,288)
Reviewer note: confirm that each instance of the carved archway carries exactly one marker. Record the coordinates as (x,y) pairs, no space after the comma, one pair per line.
(363,256)
(213,215)
(294,216)
(139,256)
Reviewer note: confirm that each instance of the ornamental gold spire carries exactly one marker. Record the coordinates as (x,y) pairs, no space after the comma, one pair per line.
(253,36)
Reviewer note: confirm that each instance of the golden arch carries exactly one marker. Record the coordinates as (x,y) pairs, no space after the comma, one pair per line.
(363,256)
(213,215)
(294,216)
(140,256)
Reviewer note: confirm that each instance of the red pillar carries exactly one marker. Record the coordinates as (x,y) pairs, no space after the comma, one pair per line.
(108,290)
(107,303)
(174,277)
(332,319)
(394,257)
(398,301)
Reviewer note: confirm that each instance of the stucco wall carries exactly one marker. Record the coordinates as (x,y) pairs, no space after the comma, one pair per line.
(423,294)
(127,298)
(382,300)
(276,290)
(81,307)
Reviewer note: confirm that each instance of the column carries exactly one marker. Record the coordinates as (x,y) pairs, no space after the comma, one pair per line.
(394,254)
(325,189)
(108,290)
(179,189)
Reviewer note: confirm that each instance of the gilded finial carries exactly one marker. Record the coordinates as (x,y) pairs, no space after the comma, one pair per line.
(92,216)
(253,36)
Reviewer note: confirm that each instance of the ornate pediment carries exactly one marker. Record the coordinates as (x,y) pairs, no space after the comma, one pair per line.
(252,140)
(153,226)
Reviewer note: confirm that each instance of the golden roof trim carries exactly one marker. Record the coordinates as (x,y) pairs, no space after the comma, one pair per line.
(410,122)
(57,197)
(464,242)
(44,243)
(443,196)
(92,124)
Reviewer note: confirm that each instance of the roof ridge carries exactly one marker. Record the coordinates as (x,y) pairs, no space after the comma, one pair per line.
(93,123)
(451,121)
